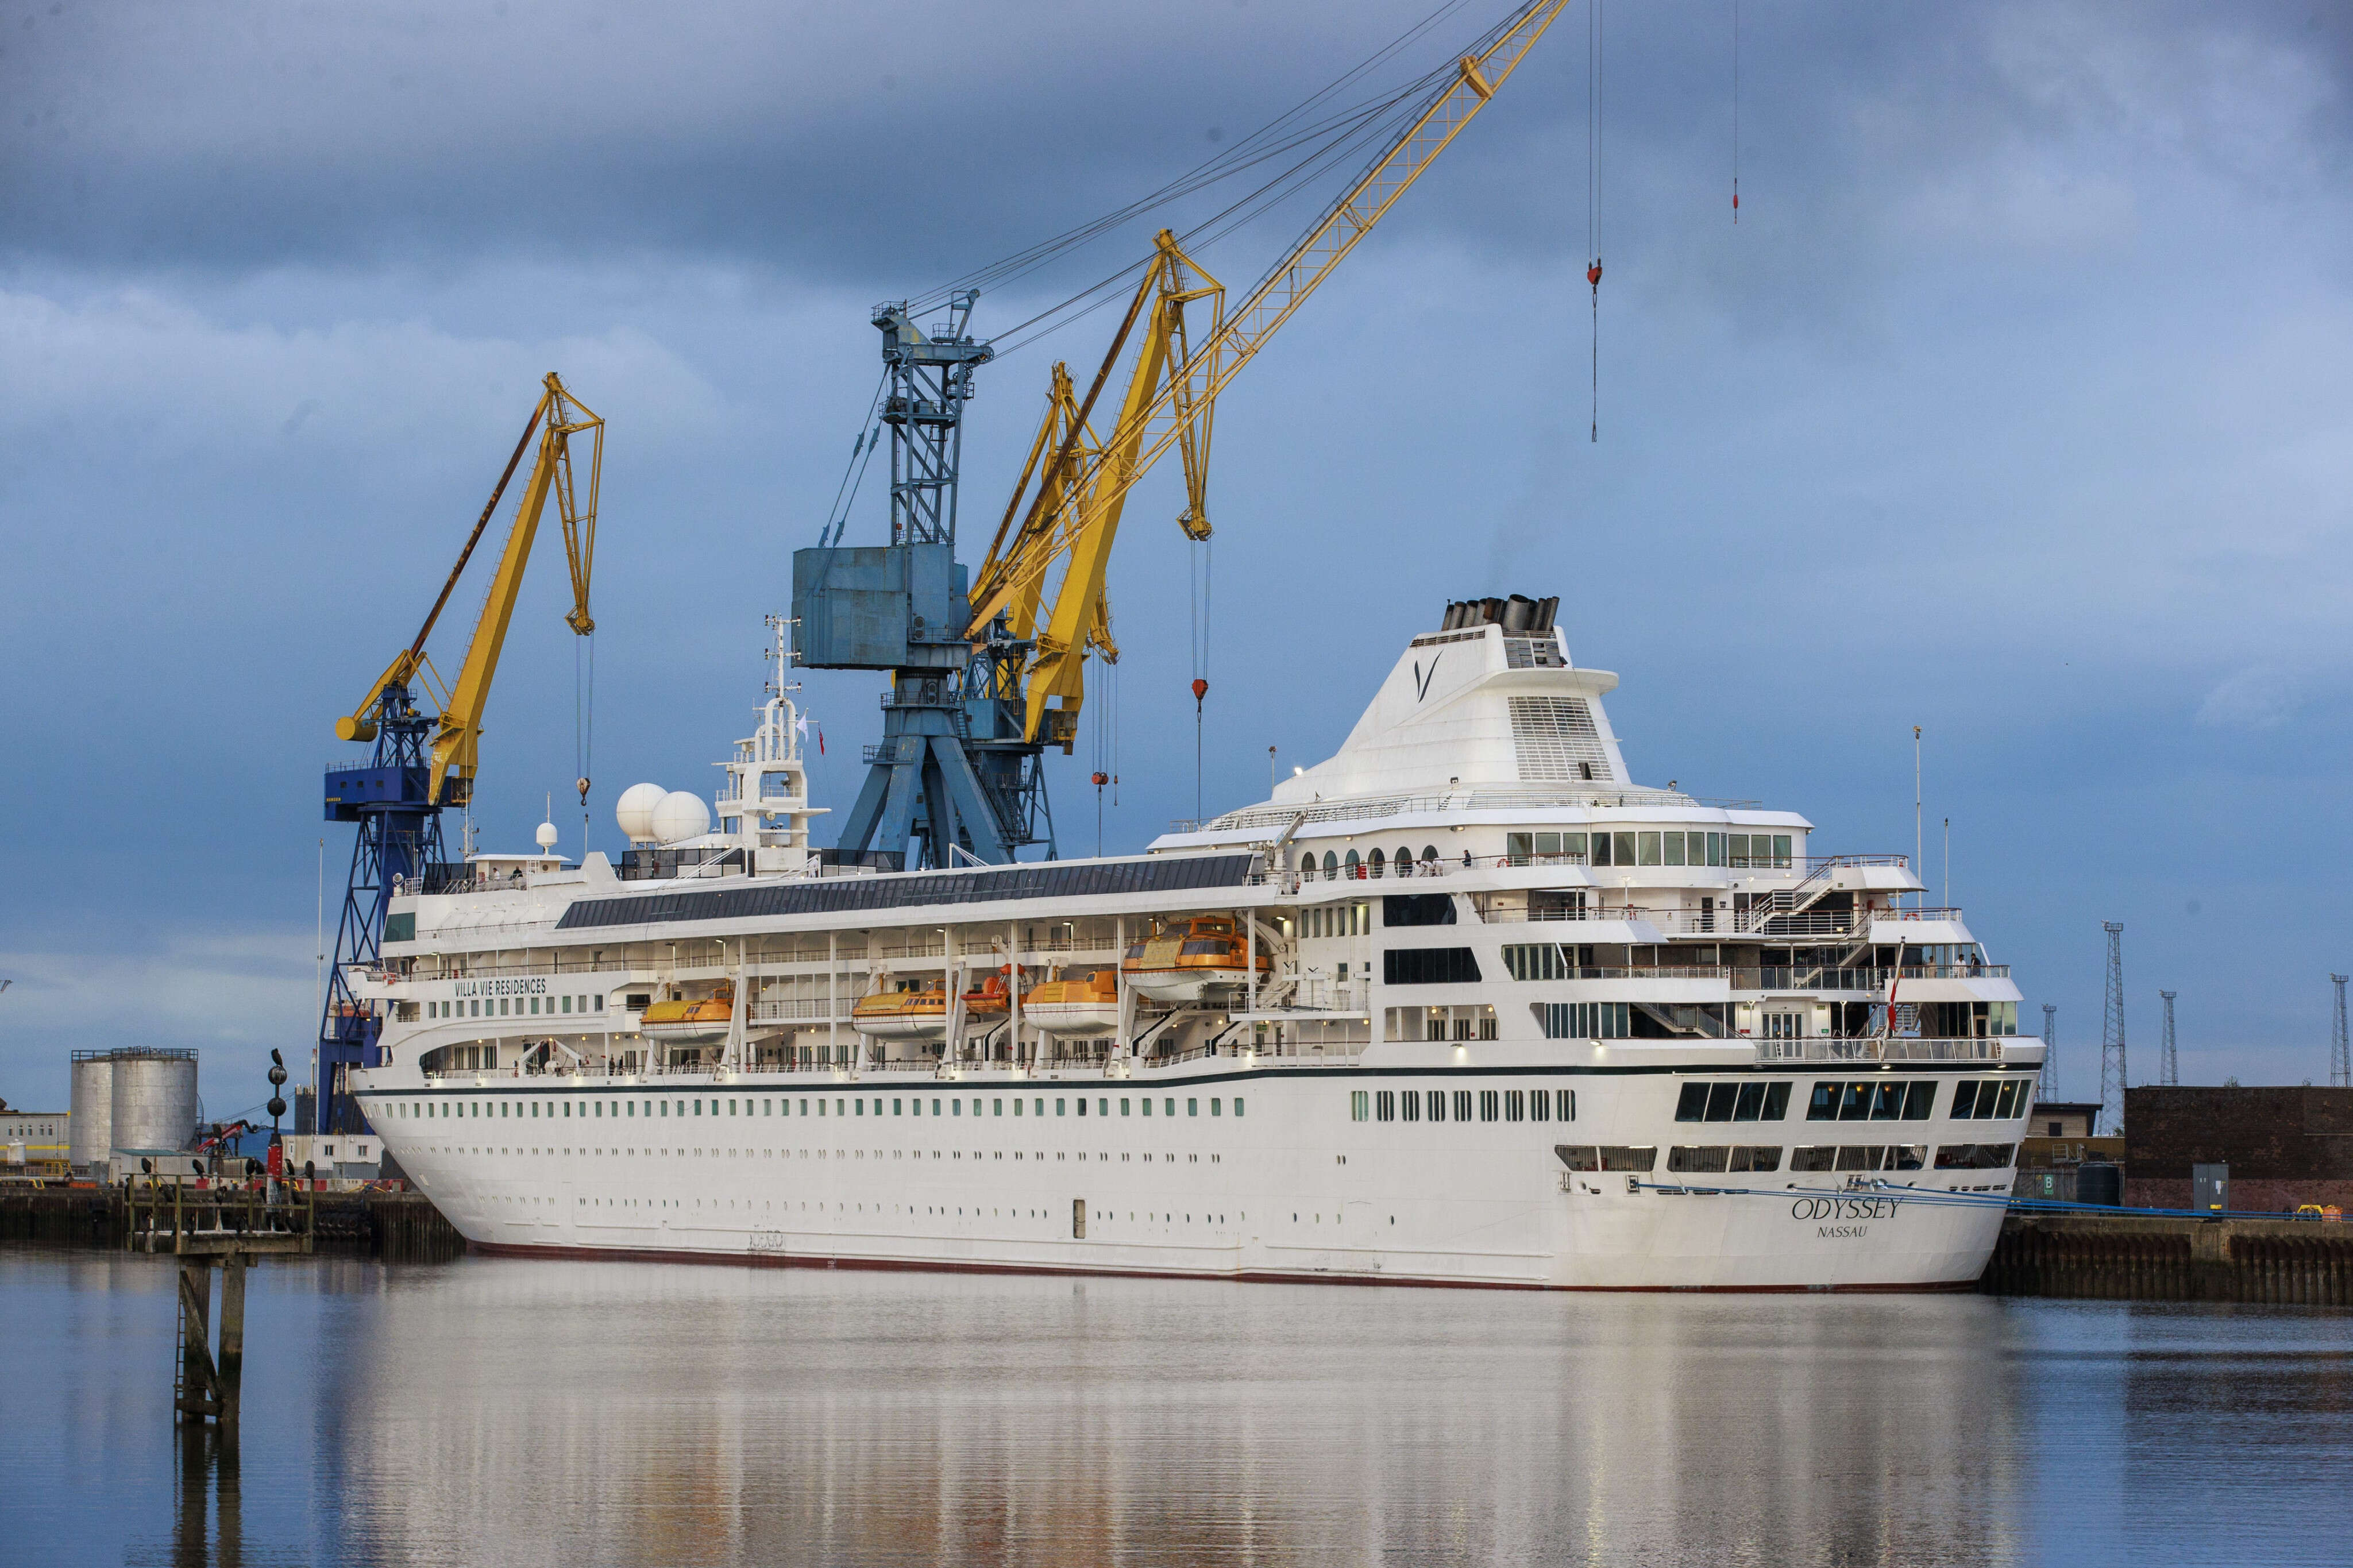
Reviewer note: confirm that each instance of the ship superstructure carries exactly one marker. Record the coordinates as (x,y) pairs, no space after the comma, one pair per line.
(1462,1003)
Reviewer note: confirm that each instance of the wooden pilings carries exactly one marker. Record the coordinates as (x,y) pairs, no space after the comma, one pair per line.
(2135,1258)
(208,1381)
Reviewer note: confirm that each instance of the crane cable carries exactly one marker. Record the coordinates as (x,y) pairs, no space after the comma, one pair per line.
(584,722)
(1593,191)
(1197,581)
(1735,110)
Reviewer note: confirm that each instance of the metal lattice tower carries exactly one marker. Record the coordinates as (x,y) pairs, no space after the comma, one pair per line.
(2114,1076)
(2049,1087)
(2168,1069)
(2340,1054)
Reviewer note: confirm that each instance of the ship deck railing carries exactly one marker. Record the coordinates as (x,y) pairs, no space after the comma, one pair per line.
(1820,1048)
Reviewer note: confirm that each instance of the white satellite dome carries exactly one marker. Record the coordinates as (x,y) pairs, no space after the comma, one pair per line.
(681,815)
(635,811)
(547,835)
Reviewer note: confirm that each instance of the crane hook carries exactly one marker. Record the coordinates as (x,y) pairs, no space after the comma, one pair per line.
(1593,276)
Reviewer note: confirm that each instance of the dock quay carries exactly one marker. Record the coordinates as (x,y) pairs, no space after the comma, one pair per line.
(2128,1256)
(403,1227)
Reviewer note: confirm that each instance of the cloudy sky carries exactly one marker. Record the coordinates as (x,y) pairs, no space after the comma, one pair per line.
(2015,407)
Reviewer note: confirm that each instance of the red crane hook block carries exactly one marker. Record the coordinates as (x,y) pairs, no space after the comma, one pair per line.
(1593,274)
(1201,689)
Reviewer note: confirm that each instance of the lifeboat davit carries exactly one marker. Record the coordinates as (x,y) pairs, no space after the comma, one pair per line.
(1193,960)
(689,1023)
(919,1012)
(1080,1006)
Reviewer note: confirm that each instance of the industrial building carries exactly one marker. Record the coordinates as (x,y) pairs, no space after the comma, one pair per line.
(2281,1148)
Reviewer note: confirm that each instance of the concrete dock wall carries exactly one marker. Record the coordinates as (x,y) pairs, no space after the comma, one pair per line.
(2134,1257)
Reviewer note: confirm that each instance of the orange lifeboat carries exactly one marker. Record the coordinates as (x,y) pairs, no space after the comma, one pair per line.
(1194,960)
(918,1010)
(1080,1006)
(684,1022)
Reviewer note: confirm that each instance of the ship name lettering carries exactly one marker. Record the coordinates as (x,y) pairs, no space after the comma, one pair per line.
(523,985)
(1842,1208)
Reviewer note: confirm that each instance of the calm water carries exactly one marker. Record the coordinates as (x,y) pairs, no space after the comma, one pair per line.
(507,1412)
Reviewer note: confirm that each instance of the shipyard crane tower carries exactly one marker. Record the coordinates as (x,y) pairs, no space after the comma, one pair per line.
(423,764)
(986,674)
(953,776)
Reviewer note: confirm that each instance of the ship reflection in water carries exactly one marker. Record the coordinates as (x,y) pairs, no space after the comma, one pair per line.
(531,1411)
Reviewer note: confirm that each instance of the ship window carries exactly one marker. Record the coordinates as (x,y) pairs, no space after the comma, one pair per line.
(1863,1157)
(1331,864)
(2011,1092)
(1721,1100)
(1405,859)
(1147,1105)
(1102,1107)
(1751,1104)
(1887,1105)
(1749,1158)
(1823,1106)
(1412,1105)
(1351,863)
(1650,842)
(1169,1106)
(1705,1158)
(1855,1106)
(1374,862)
(597,1005)
(1384,1106)
(1964,1099)
(1430,966)
(1975,1156)
(1359,1106)
(1919,1100)
(1430,854)
(1039,1107)
(1514,1105)
(1674,847)
(1601,849)
(1820,1158)
(1123,1105)
(1238,1105)
(1585,1020)
(1691,1105)
(1628,1158)
(1001,1107)
(1438,1105)
(1907,1156)
(1417,909)
(1462,1105)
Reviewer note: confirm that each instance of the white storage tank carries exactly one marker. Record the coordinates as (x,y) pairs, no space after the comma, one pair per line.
(90,1132)
(156,1104)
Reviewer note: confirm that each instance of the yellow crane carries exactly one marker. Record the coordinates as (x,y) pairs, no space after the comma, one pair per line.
(1082,480)
(457,732)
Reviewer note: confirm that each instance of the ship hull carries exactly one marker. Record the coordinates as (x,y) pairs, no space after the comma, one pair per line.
(833,1171)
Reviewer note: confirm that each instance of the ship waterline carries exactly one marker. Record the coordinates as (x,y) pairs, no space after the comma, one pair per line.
(1471,1009)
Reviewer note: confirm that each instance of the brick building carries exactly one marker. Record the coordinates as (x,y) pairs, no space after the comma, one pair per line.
(2285,1147)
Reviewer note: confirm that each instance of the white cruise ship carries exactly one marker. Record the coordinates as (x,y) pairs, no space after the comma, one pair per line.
(1459,1006)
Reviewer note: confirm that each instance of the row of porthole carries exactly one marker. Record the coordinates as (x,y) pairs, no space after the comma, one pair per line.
(846,1106)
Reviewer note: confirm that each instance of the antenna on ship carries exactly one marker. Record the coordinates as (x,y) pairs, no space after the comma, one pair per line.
(2049,1087)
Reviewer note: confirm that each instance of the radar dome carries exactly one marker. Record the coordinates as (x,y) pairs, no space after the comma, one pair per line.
(681,815)
(547,835)
(635,811)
